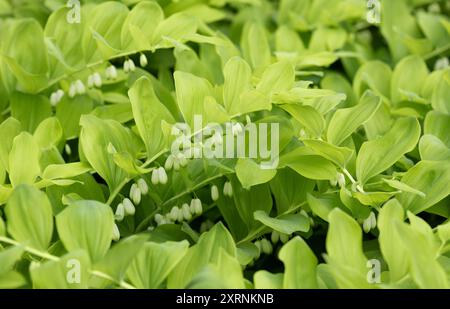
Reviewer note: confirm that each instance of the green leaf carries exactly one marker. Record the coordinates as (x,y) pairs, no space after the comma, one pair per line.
(250,173)
(8,258)
(429,177)
(255,46)
(119,258)
(309,165)
(376,156)
(345,252)
(61,171)
(390,240)
(9,129)
(438,124)
(48,133)
(248,201)
(30,110)
(30,218)
(403,187)
(226,273)
(432,148)
(237,74)
(86,225)
(70,272)
(441,94)
(69,112)
(299,265)
(308,116)
(148,113)
(277,77)
(286,224)
(154,263)
(207,250)
(338,155)
(24,160)
(345,121)
(266,280)
(95,138)
(178,27)
(409,74)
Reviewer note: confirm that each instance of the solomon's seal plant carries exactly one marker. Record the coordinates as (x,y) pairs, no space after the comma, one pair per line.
(108,181)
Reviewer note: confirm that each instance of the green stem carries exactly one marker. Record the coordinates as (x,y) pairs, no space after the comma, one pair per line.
(50,257)
(358,186)
(437,52)
(117,191)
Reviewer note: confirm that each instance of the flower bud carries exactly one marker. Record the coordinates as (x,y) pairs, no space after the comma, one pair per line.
(258,245)
(341,180)
(90,81)
(126,66)
(173,214)
(142,185)
(155,176)
(186,212)
(129,207)
(275,237)
(180,217)
(72,90)
(81,89)
(162,175)
(169,163)
(176,165)
(67,149)
(143,60)
(228,189)
(97,80)
(131,65)
(198,209)
(115,233)
(214,193)
(284,238)
(120,212)
(158,219)
(266,246)
(135,194)
(54,99)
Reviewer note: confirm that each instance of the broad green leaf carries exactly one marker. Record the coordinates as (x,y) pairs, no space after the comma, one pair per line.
(8,258)
(226,273)
(429,177)
(237,74)
(338,155)
(250,173)
(390,240)
(48,133)
(266,280)
(309,117)
(432,148)
(277,77)
(248,201)
(345,252)
(69,112)
(96,137)
(320,206)
(154,263)
(70,272)
(148,113)
(29,110)
(191,93)
(24,160)
(286,224)
(403,187)
(438,124)
(255,46)
(346,121)
(207,250)
(374,75)
(69,170)
(178,27)
(376,156)
(29,217)
(409,74)
(299,265)
(9,129)
(441,94)
(119,258)
(86,225)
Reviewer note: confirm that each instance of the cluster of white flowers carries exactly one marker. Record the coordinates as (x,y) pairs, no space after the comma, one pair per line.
(176,161)
(94,80)
(129,66)
(127,207)
(179,214)
(159,176)
(370,223)
(339,180)
(76,88)
(56,97)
